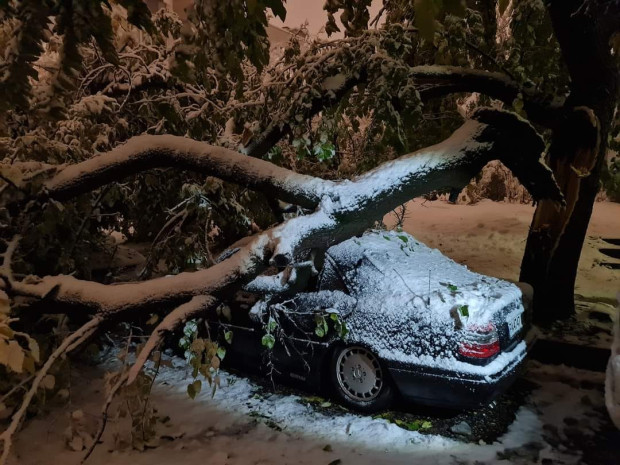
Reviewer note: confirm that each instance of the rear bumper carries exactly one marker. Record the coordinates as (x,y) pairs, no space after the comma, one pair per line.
(448,388)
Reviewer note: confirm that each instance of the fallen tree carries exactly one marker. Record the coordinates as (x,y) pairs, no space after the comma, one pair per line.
(341,209)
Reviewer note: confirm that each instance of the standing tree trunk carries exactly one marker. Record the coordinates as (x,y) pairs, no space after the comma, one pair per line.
(576,154)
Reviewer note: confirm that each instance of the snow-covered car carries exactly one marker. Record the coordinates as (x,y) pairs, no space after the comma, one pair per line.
(387,316)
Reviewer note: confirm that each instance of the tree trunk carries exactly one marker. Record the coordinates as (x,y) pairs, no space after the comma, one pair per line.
(576,156)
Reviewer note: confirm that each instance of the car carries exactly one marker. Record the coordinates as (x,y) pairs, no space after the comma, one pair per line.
(387,316)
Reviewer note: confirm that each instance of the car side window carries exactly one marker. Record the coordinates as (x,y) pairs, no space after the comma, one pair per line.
(331,280)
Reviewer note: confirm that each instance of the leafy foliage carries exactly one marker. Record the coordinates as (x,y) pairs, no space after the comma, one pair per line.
(223,34)
(204,357)
(76,21)
(19,352)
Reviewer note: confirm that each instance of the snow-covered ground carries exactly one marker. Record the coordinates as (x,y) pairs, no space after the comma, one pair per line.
(245,424)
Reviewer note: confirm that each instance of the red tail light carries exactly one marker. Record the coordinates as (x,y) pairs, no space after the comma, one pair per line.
(479,342)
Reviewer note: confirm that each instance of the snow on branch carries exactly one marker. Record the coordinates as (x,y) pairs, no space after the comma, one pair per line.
(345,209)
(157,151)
(114,300)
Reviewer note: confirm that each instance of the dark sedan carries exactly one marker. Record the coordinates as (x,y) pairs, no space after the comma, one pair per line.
(387,316)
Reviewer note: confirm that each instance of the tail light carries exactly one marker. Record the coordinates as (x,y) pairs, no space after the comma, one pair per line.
(479,342)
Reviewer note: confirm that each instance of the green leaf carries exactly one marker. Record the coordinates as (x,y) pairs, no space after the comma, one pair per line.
(271,325)
(464,310)
(452,287)
(321,326)
(221,352)
(228,336)
(403,238)
(268,341)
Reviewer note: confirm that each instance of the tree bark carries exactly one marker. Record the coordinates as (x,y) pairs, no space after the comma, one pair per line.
(576,155)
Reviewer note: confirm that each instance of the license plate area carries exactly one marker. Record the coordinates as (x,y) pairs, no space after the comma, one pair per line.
(515,323)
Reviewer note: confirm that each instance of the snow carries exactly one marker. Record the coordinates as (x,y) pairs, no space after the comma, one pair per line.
(116,297)
(612,381)
(233,427)
(291,233)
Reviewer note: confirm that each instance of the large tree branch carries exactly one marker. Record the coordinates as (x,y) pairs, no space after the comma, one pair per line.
(146,152)
(438,81)
(345,210)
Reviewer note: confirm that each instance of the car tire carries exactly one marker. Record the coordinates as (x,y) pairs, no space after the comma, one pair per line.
(359,380)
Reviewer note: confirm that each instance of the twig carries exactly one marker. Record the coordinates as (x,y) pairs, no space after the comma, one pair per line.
(377,18)
(104,414)
(148,395)
(69,342)
(173,320)
(15,388)
(108,401)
